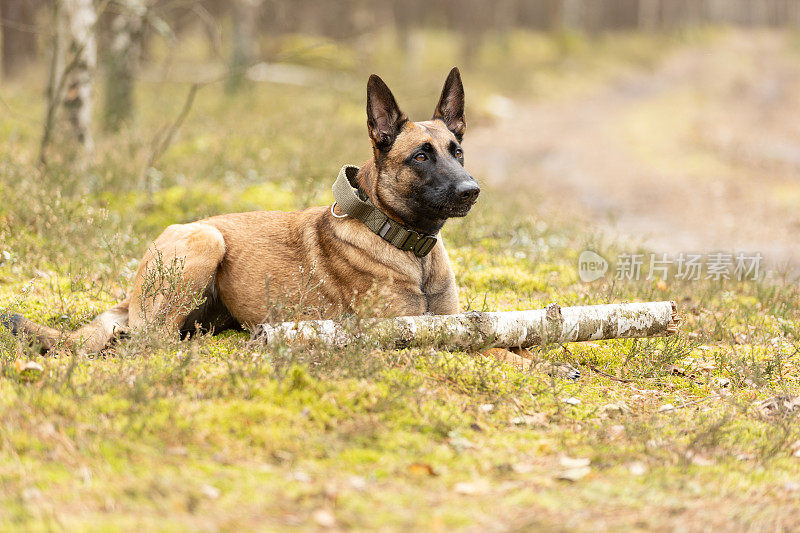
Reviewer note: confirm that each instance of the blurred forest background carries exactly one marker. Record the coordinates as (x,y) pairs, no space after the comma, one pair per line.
(619,126)
(593,104)
(73,37)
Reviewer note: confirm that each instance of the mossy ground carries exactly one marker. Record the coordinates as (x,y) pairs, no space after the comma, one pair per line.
(217,433)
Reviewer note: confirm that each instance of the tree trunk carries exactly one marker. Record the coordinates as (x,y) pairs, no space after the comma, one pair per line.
(244,14)
(81,52)
(122,63)
(19,34)
(478,331)
(648,14)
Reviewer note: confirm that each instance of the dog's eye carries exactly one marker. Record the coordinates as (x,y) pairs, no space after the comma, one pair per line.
(459,153)
(420,157)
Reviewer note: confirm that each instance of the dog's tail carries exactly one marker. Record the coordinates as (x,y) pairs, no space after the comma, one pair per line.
(91,338)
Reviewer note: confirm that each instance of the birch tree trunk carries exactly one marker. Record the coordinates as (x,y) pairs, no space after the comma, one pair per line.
(478,331)
(123,61)
(79,21)
(648,14)
(70,81)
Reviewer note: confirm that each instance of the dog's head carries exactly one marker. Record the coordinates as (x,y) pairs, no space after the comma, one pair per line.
(420,177)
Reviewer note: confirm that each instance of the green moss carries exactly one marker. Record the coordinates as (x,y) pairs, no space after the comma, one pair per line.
(216,433)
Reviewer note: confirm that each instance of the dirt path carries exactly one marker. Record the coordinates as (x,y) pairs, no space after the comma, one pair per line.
(700,154)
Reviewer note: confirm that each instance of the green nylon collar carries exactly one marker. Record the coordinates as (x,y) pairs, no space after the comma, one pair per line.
(356,204)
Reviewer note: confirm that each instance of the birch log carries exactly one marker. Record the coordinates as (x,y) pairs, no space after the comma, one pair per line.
(475,330)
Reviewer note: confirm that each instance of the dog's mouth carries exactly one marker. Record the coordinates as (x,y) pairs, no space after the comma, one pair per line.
(460,210)
(453,210)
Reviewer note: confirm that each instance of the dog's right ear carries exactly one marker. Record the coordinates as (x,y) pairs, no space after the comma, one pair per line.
(384,118)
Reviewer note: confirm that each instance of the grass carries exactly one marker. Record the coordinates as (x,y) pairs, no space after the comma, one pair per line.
(217,433)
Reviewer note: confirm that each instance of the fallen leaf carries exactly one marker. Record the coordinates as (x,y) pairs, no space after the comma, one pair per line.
(574,462)
(637,468)
(299,475)
(359,482)
(31,494)
(534,420)
(523,468)
(421,469)
(471,488)
(211,492)
(574,474)
(324,518)
(459,442)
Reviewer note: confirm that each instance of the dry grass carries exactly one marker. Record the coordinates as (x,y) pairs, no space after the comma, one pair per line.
(217,433)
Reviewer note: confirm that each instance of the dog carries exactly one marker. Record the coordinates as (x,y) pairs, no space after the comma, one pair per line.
(379,240)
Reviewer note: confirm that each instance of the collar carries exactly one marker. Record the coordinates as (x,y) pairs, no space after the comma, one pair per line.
(357,205)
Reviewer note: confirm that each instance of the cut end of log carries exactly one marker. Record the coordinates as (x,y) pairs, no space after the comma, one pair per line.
(675,320)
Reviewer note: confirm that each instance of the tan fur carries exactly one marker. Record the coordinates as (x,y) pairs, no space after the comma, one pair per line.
(308,262)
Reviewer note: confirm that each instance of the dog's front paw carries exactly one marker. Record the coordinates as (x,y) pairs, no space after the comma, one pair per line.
(11,321)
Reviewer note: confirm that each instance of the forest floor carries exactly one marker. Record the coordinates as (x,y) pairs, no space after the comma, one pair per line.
(601,144)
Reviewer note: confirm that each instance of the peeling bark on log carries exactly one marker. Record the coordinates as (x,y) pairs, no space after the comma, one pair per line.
(475,330)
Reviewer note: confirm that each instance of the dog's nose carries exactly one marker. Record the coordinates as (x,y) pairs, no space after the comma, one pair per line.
(467,191)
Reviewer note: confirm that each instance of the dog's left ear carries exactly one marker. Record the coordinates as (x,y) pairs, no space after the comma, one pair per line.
(450,108)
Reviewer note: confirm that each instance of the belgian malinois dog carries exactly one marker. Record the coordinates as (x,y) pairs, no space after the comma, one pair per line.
(380,238)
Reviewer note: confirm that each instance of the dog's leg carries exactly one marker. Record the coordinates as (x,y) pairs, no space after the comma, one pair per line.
(174,273)
(96,335)
(91,338)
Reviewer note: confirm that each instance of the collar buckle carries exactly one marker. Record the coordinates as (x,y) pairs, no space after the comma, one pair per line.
(424,245)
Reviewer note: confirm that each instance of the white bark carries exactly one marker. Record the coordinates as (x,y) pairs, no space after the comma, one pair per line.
(474,330)
(79,18)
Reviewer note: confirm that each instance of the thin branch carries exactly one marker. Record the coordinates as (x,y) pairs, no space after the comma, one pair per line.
(163,139)
(593,368)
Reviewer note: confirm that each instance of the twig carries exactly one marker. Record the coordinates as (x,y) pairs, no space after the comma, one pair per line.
(164,138)
(690,404)
(593,368)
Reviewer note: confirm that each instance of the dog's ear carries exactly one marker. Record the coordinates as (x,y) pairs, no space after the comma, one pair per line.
(450,108)
(384,118)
